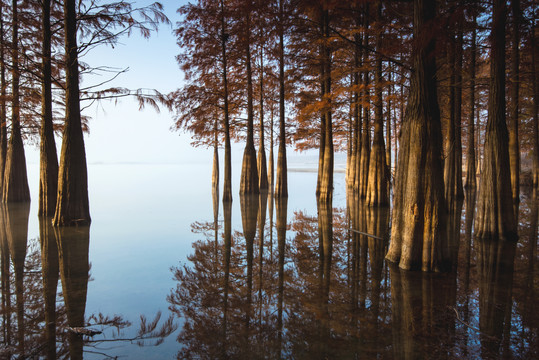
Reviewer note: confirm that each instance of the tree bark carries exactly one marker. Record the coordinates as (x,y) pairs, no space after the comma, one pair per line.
(48,159)
(495,217)
(470,150)
(249,173)
(514,142)
(3,95)
(419,209)
(15,178)
(227,184)
(261,161)
(377,180)
(453,161)
(535,113)
(281,186)
(365,133)
(326,183)
(215,168)
(72,207)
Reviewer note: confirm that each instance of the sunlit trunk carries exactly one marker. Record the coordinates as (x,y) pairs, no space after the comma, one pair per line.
(227,184)
(281,185)
(215,167)
(15,178)
(365,152)
(72,207)
(249,173)
(377,194)
(495,217)
(48,159)
(261,161)
(418,212)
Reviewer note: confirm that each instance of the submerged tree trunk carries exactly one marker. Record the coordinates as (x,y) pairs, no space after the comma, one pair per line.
(388,129)
(470,150)
(514,146)
(249,173)
(453,161)
(281,186)
(261,161)
(215,168)
(535,114)
(3,95)
(365,152)
(15,178)
(227,184)
(357,110)
(419,209)
(377,181)
(326,182)
(72,206)
(48,163)
(495,218)
(271,173)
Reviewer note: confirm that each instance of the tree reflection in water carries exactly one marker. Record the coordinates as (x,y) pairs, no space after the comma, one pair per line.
(323,290)
(37,320)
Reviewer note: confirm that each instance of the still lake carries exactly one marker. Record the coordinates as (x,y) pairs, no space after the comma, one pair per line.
(319,290)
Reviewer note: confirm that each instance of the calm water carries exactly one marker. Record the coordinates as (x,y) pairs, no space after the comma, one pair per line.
(308,288)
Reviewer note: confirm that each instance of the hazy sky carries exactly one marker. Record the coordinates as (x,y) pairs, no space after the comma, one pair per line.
(121,132)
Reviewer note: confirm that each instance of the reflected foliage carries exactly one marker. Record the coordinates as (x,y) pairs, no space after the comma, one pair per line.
(324,291)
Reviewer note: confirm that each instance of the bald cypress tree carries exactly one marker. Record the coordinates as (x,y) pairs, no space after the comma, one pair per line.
(418,221)
(15,179)
(48,174)
(495,218)
(72,207)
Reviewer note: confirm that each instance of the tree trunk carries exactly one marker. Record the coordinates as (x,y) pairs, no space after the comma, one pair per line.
(271,173)
(72,207)
(357,110)
(535,114)
(227,184)
(15,178)
(514,143)
(470,150)
(261,161)
(249,173)
(215,167)
(377,181)
(419,209)
(495,217)
(3,95)
(365,134)
(388,128)
(281,186)
(326,183)
(453,161)
(48,174)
